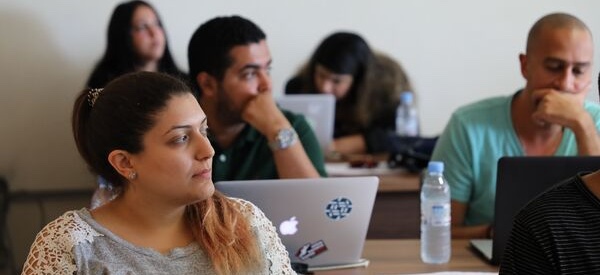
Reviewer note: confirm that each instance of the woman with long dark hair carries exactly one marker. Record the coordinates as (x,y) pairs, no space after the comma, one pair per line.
(136,41)
(367,88)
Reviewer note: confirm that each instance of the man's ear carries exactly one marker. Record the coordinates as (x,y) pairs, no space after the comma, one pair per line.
(208,84)
(121,161)
(523,64)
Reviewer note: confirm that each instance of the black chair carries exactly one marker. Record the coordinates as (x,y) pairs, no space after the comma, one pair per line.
(6,257)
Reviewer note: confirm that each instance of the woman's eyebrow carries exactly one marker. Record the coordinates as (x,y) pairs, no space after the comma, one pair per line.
(187,126)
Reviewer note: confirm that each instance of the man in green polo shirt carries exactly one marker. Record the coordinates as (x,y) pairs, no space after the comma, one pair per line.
(229,63)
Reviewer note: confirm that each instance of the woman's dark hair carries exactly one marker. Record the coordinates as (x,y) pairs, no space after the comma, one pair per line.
(121,114)
(343,53)
(120,56)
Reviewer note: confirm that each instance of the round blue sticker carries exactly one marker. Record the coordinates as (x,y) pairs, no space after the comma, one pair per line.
(338,208)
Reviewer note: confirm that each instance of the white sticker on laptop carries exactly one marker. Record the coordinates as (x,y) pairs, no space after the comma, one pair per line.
(338,208)
(311,250)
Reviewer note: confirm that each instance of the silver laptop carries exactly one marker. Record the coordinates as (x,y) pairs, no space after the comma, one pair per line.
(319,111)
(519,180)
(322,222)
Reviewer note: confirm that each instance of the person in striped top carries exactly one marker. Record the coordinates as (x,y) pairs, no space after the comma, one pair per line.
(558,232)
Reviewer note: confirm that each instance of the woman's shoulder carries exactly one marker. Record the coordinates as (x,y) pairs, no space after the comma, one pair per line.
(244,206)
(385,60)
(69,229)
(255,215)
(388,74)
(53,246)
(267,236)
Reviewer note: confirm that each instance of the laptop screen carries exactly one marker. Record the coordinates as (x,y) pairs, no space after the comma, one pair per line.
(319,111)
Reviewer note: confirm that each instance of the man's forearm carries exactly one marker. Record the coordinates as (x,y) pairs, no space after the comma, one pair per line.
(471,232)
(586,135)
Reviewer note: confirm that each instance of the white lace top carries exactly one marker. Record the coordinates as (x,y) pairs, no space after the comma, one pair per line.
(75,243)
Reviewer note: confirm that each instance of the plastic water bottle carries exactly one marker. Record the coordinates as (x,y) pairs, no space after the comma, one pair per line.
(407,120)
(435,215)
(103,194)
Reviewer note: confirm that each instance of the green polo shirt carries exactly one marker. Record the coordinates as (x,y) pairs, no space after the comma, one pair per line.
(249,157)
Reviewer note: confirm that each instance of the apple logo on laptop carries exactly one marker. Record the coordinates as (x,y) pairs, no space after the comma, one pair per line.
(289,227)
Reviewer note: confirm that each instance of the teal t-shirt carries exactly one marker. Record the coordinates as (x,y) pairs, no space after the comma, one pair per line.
(476,137)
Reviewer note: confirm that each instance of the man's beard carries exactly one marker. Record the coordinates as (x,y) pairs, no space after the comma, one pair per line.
(226,112)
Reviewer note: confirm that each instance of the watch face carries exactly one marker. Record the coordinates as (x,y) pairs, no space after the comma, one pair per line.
(284,139)
(285,136)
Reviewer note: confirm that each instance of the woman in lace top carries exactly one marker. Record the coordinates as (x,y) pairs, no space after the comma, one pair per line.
(146,133)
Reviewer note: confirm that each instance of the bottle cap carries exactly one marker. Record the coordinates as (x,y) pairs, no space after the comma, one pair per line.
(435,167)
(406,97)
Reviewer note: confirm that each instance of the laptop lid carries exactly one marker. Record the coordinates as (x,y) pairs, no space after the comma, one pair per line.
(521,179)
(321,222)
(319,111)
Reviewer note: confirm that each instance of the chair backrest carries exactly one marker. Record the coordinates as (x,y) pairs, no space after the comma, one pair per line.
(6,259)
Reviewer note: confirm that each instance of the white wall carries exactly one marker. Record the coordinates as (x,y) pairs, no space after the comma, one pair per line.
(454,51)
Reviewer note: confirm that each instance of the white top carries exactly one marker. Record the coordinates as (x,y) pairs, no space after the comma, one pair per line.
(75,243)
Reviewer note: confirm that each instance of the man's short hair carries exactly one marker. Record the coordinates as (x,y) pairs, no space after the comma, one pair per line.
(209,47)
(554,21)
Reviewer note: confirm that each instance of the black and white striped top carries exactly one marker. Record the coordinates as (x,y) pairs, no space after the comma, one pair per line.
(556,233)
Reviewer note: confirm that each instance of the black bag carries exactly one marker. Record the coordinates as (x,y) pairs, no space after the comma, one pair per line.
(412,153)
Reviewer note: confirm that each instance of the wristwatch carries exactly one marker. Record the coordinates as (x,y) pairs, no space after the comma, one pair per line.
(285,138)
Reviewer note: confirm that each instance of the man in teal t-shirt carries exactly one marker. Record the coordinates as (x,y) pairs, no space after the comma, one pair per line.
(550,116)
